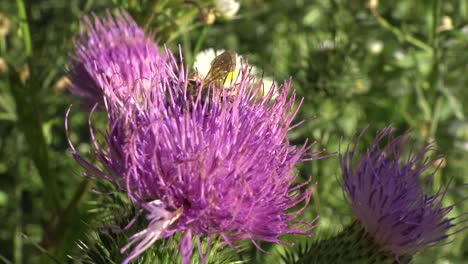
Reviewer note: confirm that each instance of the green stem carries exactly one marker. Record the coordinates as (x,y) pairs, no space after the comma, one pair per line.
(186,48)
(18,240)
(27,111)
(436,112)
(401,35)
(24,27)
(157,8)
(183,24)
(434,76)
(150,17)
(3,47)
(71,210)
(200,40)
(5,260)
(435,21)
(423,103)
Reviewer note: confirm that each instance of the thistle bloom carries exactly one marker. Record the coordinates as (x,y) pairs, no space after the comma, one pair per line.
(219,165)
(112,53)
(387,194)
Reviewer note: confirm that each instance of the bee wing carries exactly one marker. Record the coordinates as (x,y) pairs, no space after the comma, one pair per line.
(221,66)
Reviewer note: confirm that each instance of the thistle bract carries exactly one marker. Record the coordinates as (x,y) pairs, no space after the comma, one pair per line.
(112,53)
(387,193)
(205,164)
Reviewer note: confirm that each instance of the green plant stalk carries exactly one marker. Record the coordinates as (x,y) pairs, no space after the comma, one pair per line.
(46,257)
(435,117)
(401,35)
(27,111)
(181,25)
(200,40)
(423,103)
(435,21)
(18,240)
(24,27)
(434,76)
(71,210)
(188,58)
(2,46)
(27,107)
(5,260)
(157,7)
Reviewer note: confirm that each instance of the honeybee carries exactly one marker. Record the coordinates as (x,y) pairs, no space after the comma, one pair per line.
(221,66)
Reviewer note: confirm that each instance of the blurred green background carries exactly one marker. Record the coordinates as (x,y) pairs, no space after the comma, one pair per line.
(355,63)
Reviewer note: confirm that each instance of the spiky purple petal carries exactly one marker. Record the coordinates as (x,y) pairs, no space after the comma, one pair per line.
(214,164)
(112,53)
(387,194)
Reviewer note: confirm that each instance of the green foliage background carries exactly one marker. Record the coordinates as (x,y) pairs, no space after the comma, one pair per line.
(418,81)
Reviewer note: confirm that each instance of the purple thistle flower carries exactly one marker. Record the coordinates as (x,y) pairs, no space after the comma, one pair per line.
(112,53)
(207,164)
(387,194)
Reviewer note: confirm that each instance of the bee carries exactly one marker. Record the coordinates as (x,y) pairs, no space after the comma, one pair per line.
(221,66)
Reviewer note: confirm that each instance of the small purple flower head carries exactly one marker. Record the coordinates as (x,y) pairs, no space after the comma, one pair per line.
(387,194)
(112,53)
(215,163)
